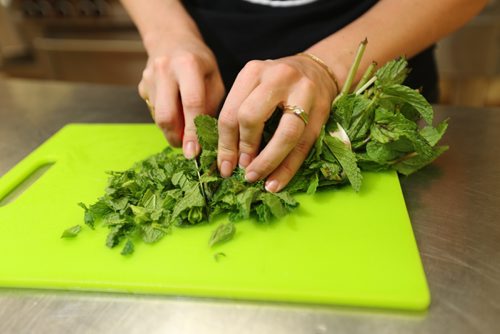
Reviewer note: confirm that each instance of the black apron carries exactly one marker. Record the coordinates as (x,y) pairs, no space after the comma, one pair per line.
(238,31)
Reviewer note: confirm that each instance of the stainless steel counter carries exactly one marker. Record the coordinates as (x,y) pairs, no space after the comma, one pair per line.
(454,207)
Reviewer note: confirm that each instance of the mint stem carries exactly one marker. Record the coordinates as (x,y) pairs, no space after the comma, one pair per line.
(366,76)
(403,158)
(202,186)
(365,86)
(352,71)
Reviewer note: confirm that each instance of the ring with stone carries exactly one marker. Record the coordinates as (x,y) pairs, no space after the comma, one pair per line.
(296,110)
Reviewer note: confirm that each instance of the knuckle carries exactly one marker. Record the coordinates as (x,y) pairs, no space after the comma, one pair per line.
(303,147)
(220,89)
(286,70)
(323,109)
(291,133)
(187,60)
(226,121)
(160,64)
(193,100)
(173,139)
(253,67)
(146,73)
(267,165)
(314,134)
(247,116)
(287,170)
(225,150)
(247,147)
(190,130)
(141,89)
(165,120)
(308,86)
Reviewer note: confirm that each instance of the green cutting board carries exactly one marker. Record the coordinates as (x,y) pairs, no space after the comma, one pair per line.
(338,247)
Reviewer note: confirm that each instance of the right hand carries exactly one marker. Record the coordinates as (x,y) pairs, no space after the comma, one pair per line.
(181,80)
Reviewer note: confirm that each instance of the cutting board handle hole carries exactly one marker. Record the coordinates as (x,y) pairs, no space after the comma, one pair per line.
(30,177)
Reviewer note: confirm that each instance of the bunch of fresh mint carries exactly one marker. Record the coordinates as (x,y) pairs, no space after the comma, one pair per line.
(374,127)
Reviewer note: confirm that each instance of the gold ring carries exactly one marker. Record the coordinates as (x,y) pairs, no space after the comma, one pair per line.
(151,107)
(296,110)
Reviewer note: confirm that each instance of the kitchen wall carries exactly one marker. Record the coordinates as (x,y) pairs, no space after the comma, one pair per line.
(95,41)
(469,61)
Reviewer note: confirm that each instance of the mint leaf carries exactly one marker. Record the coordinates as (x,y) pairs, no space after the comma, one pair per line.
(151,233)
(263,213)
(433,134)
(313,185)
(331,171)
(347,160)
(88,218)
(206,129)
(114,236)
(398,94)
(412,163)
(287,199)
(218,256)
(113,219)
(128,248)
(222,233)
(244,202)
(71,232)
(393,72)
(381,153)
(343,110)
(388,126)
(274,204)
(208,160)
(192,198)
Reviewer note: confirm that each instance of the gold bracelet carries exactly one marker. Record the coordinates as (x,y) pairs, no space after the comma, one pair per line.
(322,64)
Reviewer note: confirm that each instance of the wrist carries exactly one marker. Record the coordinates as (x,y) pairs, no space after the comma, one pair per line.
(162,38)
(164,21)
(319,62)
(339,65)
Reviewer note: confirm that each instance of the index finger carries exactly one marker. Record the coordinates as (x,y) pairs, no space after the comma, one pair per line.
(244,84)
(192,92)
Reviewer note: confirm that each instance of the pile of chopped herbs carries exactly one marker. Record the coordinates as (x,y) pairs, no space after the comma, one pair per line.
(373,127)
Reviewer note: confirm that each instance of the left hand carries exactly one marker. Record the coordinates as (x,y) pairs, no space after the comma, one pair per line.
(260,87)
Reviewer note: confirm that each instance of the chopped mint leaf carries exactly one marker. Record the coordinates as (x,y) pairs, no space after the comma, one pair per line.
(218,256)
(128,248)
(71,232)
(151,233)
(222,233)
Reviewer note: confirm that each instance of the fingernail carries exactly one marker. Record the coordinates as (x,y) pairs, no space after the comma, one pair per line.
(190,150)
(251,176)
(244,160)
(226,168)
(272,186)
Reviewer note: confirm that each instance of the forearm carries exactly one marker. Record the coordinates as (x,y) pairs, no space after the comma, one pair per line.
(156,19)
(394,28)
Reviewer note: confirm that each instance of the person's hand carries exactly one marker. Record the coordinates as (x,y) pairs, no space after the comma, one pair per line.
(181,80)
(260,87)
